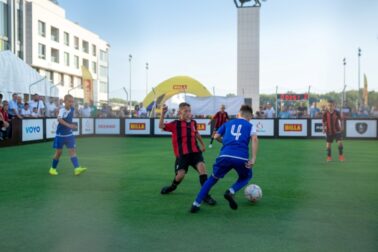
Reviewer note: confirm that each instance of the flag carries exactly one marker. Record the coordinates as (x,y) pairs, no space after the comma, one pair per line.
(365,91)
(87,84)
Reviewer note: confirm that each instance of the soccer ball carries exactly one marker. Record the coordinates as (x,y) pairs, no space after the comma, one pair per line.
(253,193)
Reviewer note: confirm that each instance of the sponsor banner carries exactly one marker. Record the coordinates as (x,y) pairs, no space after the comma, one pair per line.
(32,130)
(137,126)
(361,128)
(52,124)
(202,126)
(292,128)
(108,126)
(158,131)
(264,127)
(317,128)
(87,126)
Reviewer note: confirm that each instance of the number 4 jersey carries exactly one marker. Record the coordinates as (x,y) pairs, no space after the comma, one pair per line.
(236,136)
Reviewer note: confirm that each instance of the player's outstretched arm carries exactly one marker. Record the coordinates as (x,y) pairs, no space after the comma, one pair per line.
(71,126)
(218,137)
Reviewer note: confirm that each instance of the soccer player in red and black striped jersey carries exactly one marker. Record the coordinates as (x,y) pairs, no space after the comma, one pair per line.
(220,118)
(185,146)
(333,127)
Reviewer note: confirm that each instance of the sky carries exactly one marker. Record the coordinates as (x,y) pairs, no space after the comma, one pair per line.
(302,43)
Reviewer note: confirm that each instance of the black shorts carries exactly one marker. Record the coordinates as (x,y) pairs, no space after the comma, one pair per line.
(337,136)
(192,159)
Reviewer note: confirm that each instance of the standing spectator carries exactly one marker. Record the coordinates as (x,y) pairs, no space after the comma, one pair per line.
(86,111)
(20,105)
(142,112)
(77,110)
(93,109)
(51,108)
(314,110)
(38,104)
(269,111)
(26,112)
(1,98)
(284,114)
(220,118)
(5,128)
(13,108)
(61,104)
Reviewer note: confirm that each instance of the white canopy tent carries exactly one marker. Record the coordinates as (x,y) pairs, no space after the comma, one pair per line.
(209,105)
(16,76)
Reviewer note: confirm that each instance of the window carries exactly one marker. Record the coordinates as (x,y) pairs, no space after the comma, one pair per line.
(41,28)
(54,34)
(103,71)
(94,67)
(86,63)
(103,87)
(3,20)
(76,43)
(85,46)
(76,62)
(66,39)
(41,51)
(49,76)
(72,81)
(103,56)
(54,55)
(67,59)
(94,52)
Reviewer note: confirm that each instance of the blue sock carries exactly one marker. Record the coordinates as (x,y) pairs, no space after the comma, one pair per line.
(240,183)
(205,189)
(75,162)
(55,163)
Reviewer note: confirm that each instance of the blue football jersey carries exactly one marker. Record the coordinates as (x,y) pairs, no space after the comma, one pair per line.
(236,136)
(67,116)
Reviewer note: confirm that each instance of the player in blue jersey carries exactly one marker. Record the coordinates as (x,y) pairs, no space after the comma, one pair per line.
(235,136)
(64,136)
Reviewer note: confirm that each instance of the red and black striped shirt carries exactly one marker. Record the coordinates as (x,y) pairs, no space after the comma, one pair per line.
(220,118)
(332,122)
(183,136)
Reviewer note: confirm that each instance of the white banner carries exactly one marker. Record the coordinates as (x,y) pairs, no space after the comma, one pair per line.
(87,126)
(292,128)
(108,126)
(263,127)
(32,129)
(361,128)
(137,126)
(202,125)
(209,105)
(317,128)
(52,124)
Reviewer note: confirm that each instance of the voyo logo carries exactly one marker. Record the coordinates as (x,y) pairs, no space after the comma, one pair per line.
(33,129)
(293,127)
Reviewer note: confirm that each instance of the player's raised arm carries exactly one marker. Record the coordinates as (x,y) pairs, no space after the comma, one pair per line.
(163,111)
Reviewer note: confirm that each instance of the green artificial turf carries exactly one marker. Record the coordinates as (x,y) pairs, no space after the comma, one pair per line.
(307,204)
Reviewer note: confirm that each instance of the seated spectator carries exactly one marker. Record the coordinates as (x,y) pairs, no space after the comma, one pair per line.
(35,113)
(25,112)
(314,110)
(20,105)
(269,111)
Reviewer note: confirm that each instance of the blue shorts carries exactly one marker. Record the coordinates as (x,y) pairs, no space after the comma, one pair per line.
(224,164)
(68,141)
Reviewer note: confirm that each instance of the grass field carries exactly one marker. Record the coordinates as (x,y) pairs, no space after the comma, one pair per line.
(308,204)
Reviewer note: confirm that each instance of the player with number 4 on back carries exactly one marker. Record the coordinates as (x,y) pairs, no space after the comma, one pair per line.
(235,136)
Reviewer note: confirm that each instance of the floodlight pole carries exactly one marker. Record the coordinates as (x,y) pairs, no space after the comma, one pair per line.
(359,77)
(130,58)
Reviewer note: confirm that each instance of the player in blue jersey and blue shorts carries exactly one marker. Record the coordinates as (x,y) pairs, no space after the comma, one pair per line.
(235,136)
(64,136)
